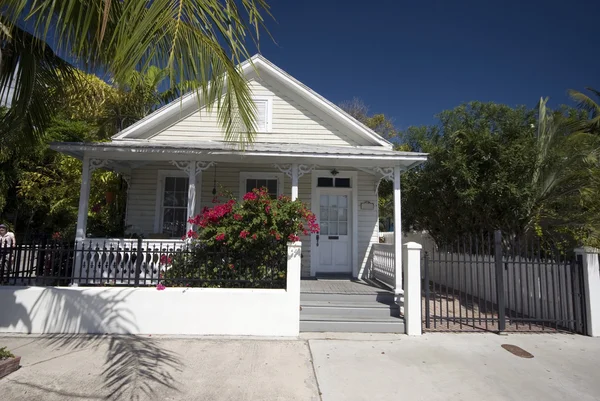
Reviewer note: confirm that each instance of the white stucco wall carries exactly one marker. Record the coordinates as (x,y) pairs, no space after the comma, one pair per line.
(192,311)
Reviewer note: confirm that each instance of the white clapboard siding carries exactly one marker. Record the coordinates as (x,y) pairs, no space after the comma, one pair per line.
(368,222)
(142,201)
(291,122)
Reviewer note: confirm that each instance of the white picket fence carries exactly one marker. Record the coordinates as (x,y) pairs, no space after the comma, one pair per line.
(383,265)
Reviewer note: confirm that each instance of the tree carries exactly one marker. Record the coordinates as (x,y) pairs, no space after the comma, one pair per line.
(495,167)
(39,188)
(590,107)
(476,178)
(377,122)
(199,42)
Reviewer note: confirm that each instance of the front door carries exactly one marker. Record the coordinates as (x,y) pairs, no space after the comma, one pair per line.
(334,242)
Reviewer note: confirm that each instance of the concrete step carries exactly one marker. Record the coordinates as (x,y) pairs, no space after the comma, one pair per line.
(349,309)
(382,297)
(343,324)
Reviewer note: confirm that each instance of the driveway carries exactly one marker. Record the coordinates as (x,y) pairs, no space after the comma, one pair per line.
(457,367)
(348,367)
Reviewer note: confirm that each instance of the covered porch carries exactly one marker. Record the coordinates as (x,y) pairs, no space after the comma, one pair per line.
(169,182)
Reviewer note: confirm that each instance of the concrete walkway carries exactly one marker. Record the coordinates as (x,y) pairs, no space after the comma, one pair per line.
(457,367)
(348,367)
(144,368)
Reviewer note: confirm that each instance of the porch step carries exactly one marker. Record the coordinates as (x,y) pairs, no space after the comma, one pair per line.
(349,309)
(381,297)
(345,324)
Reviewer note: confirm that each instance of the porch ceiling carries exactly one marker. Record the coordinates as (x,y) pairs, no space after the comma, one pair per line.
(342,156)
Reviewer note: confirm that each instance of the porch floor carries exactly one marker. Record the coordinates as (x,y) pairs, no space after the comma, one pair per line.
(341,286)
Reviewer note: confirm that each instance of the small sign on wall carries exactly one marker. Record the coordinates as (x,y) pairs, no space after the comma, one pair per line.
(366,205)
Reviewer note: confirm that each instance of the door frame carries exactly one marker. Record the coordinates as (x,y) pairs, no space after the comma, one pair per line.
(315,202)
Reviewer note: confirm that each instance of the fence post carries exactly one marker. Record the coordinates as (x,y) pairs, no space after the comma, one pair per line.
(292,286)
(591,278)
(138,262)
(411,264)
(500,280)
(426,285)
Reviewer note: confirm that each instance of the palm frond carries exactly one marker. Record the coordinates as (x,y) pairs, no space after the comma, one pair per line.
(198,41)
(33,77)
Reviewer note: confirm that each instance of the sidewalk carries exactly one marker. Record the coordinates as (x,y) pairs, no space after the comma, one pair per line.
(348,367)
(92,368)
(457,367)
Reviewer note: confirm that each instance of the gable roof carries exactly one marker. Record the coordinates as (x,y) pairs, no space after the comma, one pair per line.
(187,104)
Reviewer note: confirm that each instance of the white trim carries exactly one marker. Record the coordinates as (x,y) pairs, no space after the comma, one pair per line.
(173,151)
(399,269)
(315,202)
(257,175)
(160,190)
(178,106)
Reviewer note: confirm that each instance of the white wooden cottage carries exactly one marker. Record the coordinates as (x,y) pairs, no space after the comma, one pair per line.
(306,147)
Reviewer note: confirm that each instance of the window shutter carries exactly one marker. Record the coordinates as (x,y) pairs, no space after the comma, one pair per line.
(261,115)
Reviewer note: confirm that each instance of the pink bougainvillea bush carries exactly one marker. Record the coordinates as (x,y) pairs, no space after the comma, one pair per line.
(243,241)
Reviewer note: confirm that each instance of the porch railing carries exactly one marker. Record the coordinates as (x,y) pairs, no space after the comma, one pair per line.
(136,262)
(383,265)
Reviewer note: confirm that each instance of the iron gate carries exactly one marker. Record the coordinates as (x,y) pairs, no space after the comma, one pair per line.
(491,284)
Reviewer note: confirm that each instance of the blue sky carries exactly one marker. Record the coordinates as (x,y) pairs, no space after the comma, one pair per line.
(413,59)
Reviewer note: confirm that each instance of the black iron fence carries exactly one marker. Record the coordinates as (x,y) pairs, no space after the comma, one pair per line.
(138,262)
(499,284)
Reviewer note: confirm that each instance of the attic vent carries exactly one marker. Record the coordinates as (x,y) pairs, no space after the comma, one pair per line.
(263,115)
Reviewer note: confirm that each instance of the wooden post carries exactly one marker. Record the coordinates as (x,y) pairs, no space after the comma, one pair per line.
(591,278)
(397,233)
(82,216)
(294,181)
(412,288)
(294,265)
(84,200)
(191,206)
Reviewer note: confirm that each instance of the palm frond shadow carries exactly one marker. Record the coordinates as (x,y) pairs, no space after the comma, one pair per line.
(135,367)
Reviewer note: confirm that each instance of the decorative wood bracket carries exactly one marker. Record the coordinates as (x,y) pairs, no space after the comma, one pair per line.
(98,163)
(284,168)
(305,169)
(192,167)
(387,173)
(302,169)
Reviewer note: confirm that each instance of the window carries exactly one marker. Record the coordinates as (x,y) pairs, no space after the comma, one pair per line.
(334,214)
(174,206)
(330,182)
(272,181)
(270,184)
(263,114)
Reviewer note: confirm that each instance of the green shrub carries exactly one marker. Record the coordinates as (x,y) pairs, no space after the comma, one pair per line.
(240,241)
(5,354)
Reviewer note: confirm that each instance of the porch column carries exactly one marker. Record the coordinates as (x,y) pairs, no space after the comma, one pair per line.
(397,232)
(192,168)
(191,206)
(295,171)
(84,200)
(88,167)
(294,181)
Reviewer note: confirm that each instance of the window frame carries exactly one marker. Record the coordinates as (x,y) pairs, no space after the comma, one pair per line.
(269,111)
(160,195)
(251,175)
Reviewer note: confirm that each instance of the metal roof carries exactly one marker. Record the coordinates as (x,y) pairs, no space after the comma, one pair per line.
(232,148)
